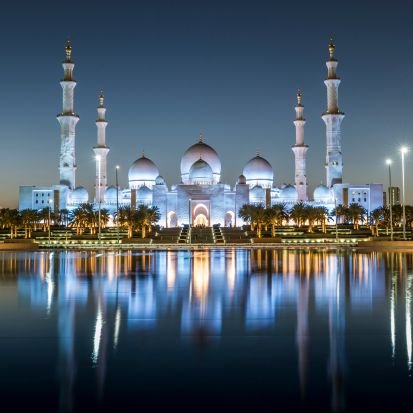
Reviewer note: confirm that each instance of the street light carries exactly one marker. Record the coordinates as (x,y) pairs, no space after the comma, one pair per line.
(49,233)
(117,203)
(403,151)
(335,207)
(388,163)
(98,158)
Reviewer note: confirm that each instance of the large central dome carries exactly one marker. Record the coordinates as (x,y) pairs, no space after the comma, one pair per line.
(200,151)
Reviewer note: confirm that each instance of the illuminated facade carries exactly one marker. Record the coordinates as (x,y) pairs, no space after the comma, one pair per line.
(201,198)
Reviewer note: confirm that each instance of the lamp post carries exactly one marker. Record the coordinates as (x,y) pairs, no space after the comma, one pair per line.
(335,207)
(388,163)
(117,203)
(98,159)
(49,233)
(403,151)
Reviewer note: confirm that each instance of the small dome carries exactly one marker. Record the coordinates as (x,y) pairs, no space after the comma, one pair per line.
(257,195)
(258,171)
(288,192)
(142,172)
(322,193)
(159,180)
(241,180)
(143,195)
(201,173)
(79,195)
(111,193)
(207,153)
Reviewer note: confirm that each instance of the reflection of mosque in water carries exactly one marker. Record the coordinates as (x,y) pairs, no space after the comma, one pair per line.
(199,295)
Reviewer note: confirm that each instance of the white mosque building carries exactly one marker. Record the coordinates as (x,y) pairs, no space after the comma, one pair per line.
(201,198)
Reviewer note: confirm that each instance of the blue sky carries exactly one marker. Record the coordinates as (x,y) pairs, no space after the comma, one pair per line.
(228,69)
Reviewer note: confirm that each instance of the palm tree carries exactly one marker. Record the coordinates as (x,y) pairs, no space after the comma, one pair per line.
(82,217)
(376,216)
(63,217)
(341,211)
(357,214)
(322,216)
(245,212)
(9,218)
(258,218)
(126,218)
(29,219)
(298,213)
(271,218)
(255,215)
(146,217)
(44,218)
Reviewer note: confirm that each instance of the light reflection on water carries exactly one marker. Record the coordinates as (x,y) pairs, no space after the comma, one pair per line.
(318,314)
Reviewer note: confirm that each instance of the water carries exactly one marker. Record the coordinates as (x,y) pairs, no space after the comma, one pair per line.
(220,330)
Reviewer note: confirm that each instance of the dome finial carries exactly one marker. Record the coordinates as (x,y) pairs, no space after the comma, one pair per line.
(299,96)
(143,153)
(331,47)
(68,50)
(101,98)
(201,138)
(258,152)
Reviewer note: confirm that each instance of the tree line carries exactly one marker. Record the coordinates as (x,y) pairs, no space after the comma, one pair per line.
(84,217)
(302,214)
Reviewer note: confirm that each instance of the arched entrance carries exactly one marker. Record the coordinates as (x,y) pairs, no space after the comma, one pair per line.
(201,221)
(229,220)
(172,219)
(200,213)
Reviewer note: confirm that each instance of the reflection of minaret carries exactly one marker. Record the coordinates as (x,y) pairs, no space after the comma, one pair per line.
(336,333)
(300,151)
(333,117)
(393,297)
(66,334)
(68,120)
(101,151)
(409,285)
(302,334)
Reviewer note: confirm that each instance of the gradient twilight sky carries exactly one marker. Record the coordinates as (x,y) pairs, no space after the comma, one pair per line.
(228,69)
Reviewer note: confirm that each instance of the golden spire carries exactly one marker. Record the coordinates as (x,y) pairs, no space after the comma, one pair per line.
(331,47)
(68,49)
(299,97)
(101,98)
(201,138)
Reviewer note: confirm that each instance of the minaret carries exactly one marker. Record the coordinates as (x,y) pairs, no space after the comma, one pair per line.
(333,117)
(300,150)
(68,120)
(101,151)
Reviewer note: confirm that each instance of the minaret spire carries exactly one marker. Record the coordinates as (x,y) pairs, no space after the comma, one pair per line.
(101,151)
(300,150)
(68,120)
(333,117)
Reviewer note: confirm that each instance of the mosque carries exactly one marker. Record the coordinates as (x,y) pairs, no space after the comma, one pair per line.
(200,198)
